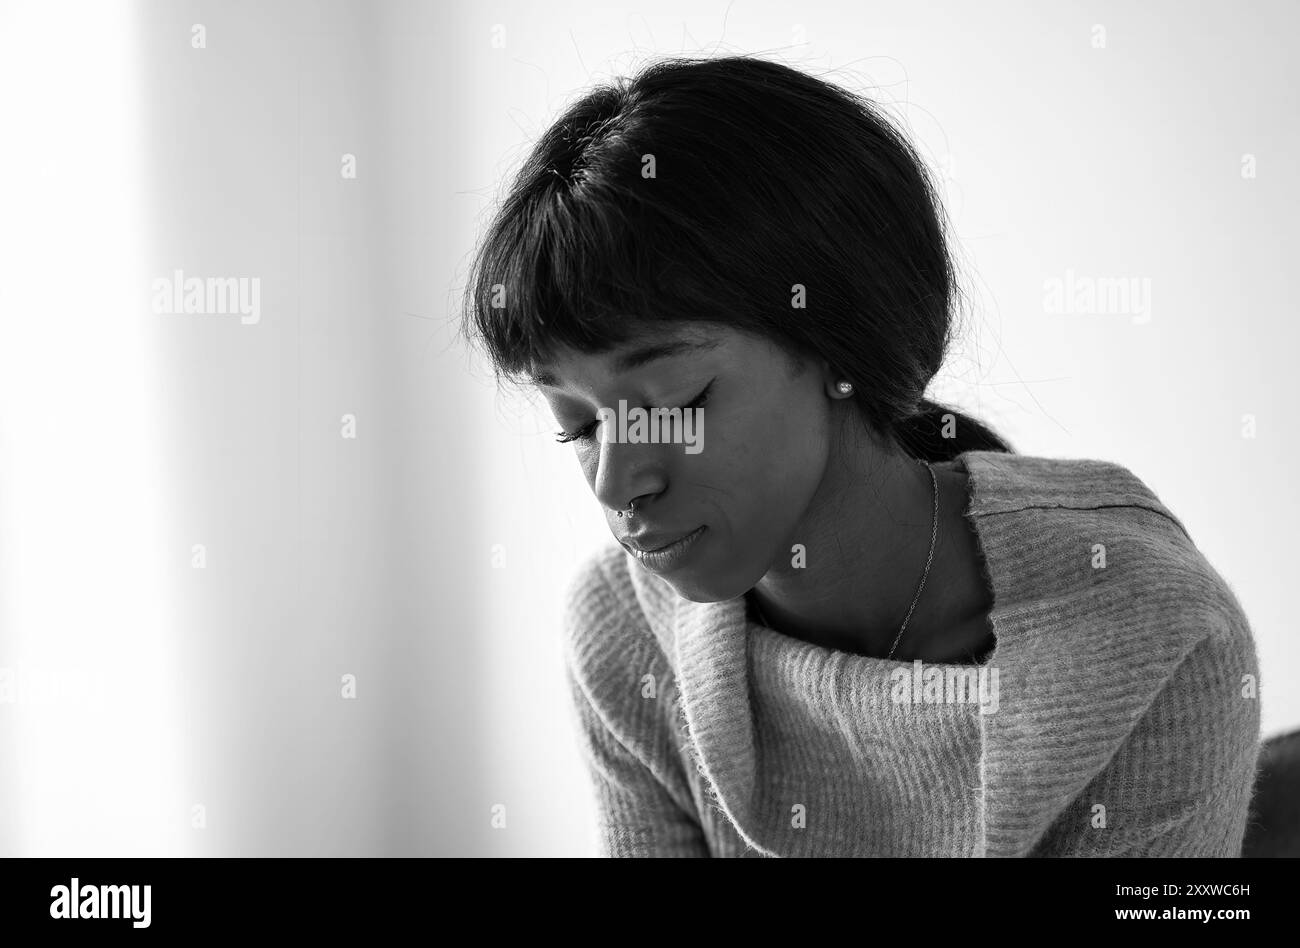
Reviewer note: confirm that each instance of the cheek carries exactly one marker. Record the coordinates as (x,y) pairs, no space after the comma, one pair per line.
(786,431)
(772,462)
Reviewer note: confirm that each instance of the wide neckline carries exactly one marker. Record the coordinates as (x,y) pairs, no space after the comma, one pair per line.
(868,663)
(1048,667)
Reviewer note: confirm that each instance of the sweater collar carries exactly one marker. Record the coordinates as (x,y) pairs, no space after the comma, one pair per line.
(1027,779)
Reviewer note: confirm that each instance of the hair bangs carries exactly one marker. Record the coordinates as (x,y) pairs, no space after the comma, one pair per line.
(584,269)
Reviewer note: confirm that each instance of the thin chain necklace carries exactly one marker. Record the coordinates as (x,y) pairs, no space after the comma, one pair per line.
(934,532)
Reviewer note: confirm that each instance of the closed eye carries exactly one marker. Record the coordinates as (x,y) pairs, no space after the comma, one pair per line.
(585,432)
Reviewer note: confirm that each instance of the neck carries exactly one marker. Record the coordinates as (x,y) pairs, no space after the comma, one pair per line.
(867,537)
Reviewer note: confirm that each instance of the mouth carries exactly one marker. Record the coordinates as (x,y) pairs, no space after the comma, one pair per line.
(667,555)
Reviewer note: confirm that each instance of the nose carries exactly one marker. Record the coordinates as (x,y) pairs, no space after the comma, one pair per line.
(626,473)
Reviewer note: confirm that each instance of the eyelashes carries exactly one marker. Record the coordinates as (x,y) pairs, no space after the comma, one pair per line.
(584,433)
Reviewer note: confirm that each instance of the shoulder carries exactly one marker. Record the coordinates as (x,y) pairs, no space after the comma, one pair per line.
(1003,483)
(1095,531)
(1114,630)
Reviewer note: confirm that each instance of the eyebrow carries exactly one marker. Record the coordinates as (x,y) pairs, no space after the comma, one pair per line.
(641,356)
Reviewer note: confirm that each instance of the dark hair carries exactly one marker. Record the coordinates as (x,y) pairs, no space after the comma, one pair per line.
(705,190)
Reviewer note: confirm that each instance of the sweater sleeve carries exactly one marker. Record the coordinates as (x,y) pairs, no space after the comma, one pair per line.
(1209,714)
(635,813)
(643,800)
(1181,782)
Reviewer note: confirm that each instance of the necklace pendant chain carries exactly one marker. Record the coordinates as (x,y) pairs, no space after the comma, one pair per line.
(934,533)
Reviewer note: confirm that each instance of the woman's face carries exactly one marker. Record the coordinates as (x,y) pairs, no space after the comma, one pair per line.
(756,457)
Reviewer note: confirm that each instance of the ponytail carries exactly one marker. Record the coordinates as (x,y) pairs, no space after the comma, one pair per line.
(937,432)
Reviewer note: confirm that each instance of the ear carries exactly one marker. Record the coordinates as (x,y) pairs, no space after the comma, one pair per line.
(837,386)
(830,375)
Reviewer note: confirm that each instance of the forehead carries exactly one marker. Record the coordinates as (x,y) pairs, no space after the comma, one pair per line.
(647,346)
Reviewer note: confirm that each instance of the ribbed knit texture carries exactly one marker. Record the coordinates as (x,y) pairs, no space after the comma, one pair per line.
(1126,720)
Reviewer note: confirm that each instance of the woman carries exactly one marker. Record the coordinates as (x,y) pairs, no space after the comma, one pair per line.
(852,621)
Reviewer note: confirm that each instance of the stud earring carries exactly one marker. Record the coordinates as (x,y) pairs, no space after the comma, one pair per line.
(844,387)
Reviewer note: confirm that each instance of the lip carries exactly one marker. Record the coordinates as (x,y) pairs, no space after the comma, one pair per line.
(652,542)
(659,558)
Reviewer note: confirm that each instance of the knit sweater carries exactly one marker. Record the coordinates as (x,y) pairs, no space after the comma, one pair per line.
(1116,716)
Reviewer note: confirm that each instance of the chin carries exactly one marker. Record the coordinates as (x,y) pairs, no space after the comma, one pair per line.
(701,585)
(692,589)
